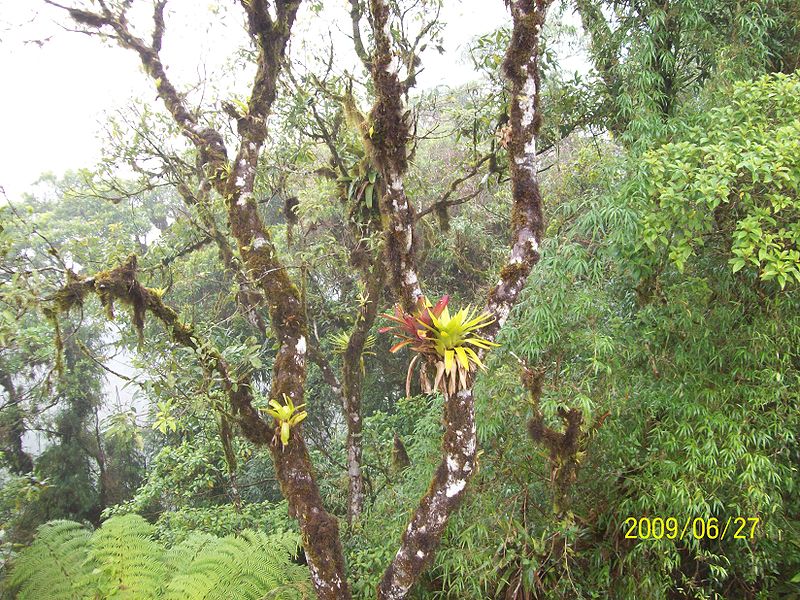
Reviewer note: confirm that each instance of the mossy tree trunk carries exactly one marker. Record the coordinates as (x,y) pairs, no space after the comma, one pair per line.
(388,142)
(353,372)
(234,181)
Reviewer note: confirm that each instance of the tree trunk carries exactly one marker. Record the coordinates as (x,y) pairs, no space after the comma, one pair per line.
(12,430)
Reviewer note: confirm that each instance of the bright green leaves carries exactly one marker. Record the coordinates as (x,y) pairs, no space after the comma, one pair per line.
(447,342)
(761,240)
(734,176)
(243,106)
(287,415)
(451,332)
(369,191)
(165,420)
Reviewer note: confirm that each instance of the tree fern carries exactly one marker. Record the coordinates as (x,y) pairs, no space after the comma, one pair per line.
(123,561)
(180,555)
(54,564)
(129,564)
(252,564)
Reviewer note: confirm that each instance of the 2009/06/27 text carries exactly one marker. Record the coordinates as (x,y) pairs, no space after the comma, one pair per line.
(712,528)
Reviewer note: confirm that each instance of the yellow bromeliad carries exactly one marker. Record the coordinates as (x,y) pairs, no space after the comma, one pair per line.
(448,342)
(287,416)
(453,337)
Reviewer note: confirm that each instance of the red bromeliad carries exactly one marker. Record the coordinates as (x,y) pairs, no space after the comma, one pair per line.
(412,328)
(446,342)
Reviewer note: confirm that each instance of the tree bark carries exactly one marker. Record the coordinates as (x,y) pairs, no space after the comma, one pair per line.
(234,181)
(387,144)
(521,66)
(353,388)
(12,428)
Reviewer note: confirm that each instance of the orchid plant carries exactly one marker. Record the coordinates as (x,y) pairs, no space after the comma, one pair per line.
(447,342)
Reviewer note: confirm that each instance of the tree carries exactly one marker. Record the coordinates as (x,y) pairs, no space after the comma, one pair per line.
(651,56)
(233,180)
(79,472)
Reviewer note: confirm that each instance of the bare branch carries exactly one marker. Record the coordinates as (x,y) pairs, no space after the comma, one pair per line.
(445,201)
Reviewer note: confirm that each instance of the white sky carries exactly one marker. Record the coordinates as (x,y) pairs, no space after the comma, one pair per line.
(56,95)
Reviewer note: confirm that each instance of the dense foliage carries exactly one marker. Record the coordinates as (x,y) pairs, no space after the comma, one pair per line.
(650,369)
(122,560)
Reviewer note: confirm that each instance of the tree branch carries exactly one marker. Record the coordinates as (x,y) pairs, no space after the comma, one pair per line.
(356,13)
(387,142)
(207,141)
(353,379)
(521,67)
(444,201)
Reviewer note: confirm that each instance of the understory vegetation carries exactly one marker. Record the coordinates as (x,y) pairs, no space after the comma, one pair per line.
(235,376)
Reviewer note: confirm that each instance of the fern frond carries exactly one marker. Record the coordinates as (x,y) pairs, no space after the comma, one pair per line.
(246,567)
(129,563)
(54,564)
(182,554)
(122,561)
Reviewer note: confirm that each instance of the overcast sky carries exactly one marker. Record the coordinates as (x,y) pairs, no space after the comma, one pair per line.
(56,94)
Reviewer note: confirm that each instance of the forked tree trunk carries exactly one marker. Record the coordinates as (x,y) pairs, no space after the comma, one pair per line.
(521,66)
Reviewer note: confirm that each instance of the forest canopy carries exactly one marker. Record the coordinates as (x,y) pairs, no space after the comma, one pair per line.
(312,329)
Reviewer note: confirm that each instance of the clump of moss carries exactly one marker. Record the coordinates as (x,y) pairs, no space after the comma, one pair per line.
(120,284)
(512,273)
(58,341)
(72,294)
(400,458)
(563,446)
(115,285)
(443,216)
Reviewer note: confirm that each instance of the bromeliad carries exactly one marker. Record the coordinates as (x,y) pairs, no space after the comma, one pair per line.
(287,416)
(447,342)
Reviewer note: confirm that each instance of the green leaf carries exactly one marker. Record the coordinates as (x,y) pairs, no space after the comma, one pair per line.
(368,195)
(737,264)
